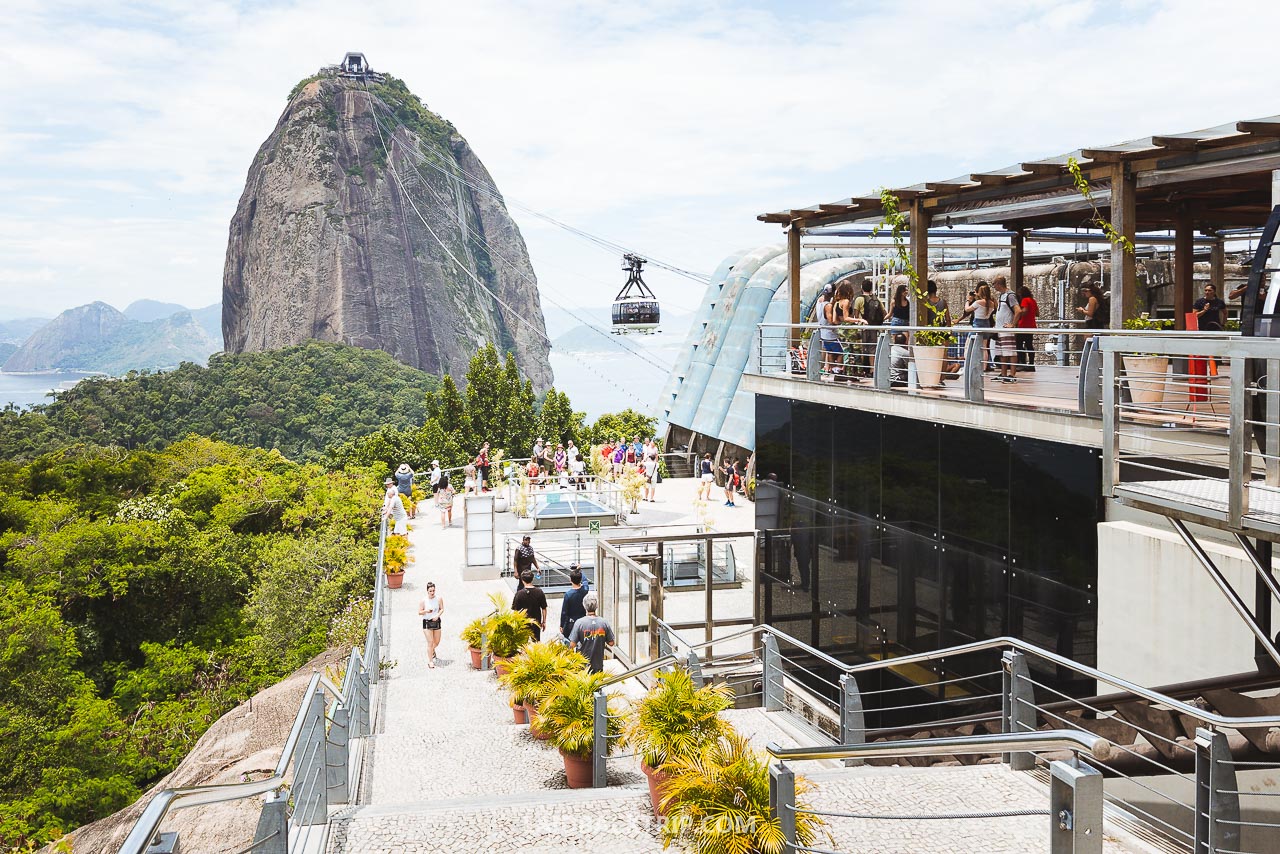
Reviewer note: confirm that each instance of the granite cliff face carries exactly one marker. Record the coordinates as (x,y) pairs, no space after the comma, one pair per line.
(327,244)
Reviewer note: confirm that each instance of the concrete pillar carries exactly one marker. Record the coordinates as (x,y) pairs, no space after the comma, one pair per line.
(1124,274)
(1183,267)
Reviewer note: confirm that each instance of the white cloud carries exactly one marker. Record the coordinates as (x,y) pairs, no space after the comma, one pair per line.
(666,126)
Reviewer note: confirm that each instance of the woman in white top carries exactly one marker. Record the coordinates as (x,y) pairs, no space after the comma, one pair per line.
(983,306)
(431,609)
(469,480)
(393,508)
(578,468)
(651,471)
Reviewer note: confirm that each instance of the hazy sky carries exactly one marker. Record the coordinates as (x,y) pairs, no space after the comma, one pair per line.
(127,128)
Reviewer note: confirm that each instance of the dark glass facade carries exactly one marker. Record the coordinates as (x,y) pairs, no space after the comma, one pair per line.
(882,536)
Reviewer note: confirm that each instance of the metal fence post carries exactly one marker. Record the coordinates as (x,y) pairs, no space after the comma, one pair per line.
(881,371)
(1091,379)
(486,657)
(695,670)
(1110,415)
(309,775)
(336,755)
(853,726)
(600,741)
(362,726)
(972,370)
(773,697)
(1016,712)
(1075,809)
(1217,804)
(272,834)
(782,803)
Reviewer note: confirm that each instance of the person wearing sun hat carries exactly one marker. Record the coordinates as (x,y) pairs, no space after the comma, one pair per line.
(404,483)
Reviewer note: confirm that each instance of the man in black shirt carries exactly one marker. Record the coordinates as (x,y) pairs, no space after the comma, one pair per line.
(524,558)
(571,609)
(1210,311)
(533,602)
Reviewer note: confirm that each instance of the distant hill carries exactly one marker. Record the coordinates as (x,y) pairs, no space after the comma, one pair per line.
(210,320)
(597,337)
(7,350)
(19,330)
(98,337)
(147,310)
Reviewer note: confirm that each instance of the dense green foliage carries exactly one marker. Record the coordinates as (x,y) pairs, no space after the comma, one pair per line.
(298,400)
(143,594)
(498,407)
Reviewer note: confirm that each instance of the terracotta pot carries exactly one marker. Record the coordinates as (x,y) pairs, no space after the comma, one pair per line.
(537,733)
(500,665)
(577,770)
(655,778)
(395,579)
(520,713)
(477,657)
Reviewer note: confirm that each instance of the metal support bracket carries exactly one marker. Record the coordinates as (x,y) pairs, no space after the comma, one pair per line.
(272,834)
(853,724)
(309,788)
(1091,389)
(337,753)
(782,803)
(883,365)
(600,739)
(1075,809)
(773,696)
(695,670)
(973,387)
(1217,804)
(1017,712)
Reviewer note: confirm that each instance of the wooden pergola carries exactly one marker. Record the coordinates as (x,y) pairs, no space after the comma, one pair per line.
(1207,181)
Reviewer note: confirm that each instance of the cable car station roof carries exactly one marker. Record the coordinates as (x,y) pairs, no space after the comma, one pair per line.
(1218,177)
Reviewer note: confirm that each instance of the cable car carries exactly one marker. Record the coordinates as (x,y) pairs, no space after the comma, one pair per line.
(635,308)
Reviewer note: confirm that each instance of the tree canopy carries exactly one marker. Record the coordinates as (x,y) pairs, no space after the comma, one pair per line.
(298,400)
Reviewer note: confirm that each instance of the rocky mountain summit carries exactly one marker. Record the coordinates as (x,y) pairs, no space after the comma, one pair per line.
(329,239)
(98,337)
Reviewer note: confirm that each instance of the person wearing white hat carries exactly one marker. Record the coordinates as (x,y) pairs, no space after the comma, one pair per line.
(438,480)
(404,483)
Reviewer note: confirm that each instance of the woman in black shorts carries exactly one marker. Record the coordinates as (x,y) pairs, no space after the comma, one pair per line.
(431,609)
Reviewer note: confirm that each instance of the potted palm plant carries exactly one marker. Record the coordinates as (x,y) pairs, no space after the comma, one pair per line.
(508,631)
(473,635)
(395,556)
(524,504)
(675,719)
(568,713)
(718,800)
(534,671)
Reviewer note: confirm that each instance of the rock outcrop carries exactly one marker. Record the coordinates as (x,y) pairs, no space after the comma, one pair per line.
(97,337)
(329,239)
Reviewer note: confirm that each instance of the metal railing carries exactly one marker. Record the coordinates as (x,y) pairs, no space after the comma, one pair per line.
(1075,808)
(1183,464)
(1053,368)
(321,760)
(1197,778)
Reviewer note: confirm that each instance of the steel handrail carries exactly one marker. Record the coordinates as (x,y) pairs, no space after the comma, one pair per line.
(1034,330)
(1050,739)
(1222,721)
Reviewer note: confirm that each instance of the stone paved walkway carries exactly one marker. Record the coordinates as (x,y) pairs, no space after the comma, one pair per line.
(451,772)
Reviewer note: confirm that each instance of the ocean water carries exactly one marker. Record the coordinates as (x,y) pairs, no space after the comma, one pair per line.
(27,389)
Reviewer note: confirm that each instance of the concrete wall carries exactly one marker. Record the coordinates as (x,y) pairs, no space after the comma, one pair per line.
(1161,619)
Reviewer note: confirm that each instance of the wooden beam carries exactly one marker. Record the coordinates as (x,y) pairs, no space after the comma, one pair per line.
(949,186)
(1044,168)
(793,279)
(1124,274)
(1176,143)
(1259,128)
(780,218)
(1183,267)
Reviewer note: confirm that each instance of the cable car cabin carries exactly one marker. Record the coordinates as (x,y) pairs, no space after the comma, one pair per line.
(635,308)
(635,314)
